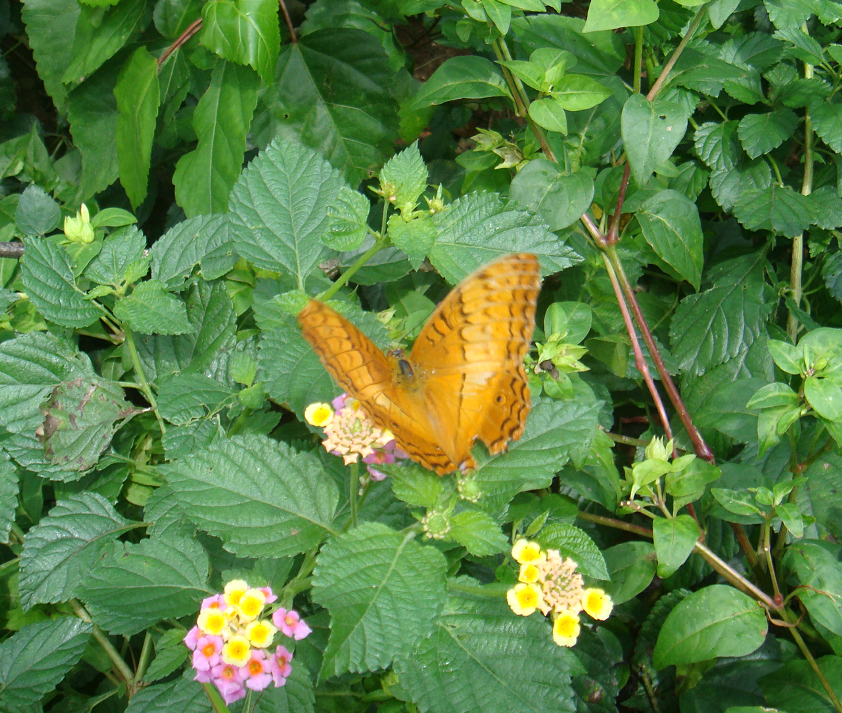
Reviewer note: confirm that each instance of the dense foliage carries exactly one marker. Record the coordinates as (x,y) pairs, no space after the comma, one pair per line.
(183,173)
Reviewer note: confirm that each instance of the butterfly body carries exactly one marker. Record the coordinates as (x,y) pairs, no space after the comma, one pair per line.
(463,380)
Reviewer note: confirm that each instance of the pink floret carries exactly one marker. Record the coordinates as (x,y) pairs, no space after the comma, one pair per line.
(289,622)
(279,666)
(192,638)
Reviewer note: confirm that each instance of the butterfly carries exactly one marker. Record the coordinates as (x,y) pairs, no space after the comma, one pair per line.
(463,380)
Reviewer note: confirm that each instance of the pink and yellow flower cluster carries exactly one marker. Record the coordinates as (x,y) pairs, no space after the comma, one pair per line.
(232,638)
(548,583)
(349,433)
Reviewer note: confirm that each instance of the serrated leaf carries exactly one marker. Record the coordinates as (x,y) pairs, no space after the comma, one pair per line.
(777,208)
(170,653)
(138,97)
(280,209)
(182,247)
(186,397)
(832,274)
(182,694)
(30,366)
(64,546)
(260,496)
(243,31)
(572,542)
(760,133)
(80,417)
(119,250)
(151,309)
(715,621)
(461,78)
(34,660)
(479,227)
(477,532)
(827,123)
(717,324)
(482,658)
(134,586)
(331,93)
(825,207)
(671,225)
(48,279)
(415,485)
(407,173)
(413,238)
(559,198)
(37,213)
(8,495)
(347,225)
(204,177)
(369,580)
(651,131)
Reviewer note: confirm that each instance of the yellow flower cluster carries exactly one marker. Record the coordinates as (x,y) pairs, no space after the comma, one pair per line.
(552,584)
(235,617)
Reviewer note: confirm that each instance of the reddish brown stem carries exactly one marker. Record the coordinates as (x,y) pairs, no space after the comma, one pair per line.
(183,38)
(288,19)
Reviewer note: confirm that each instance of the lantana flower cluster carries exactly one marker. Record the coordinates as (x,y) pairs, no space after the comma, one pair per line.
(232,640)
(548,583)
(349,433)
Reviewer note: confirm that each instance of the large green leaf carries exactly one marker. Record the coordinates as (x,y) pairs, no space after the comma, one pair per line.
(331,93)
(120,249)
(279,209)
(203,178)
(369,579)
(30,366)
(719,323)
(260,496)
(796,688)
(182,247)
(715,621)
(760,133)
(151,309)
(480,227)
(49,282)
(466,77)
(243,31)
(777,208)
(817,565)
(34,660)
(8,495)
(136,585)
(613,14)
(559,197)
(138,96)
(64,546)
(187,397)
(651,131)
(182,694)
(482,658)
(671,225)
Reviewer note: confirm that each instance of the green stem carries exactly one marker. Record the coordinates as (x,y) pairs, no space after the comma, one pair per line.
(815,666)
(216,701)
(656,87)
(143,661)
(141,377)
(119,663)
(238,424)
(379,243)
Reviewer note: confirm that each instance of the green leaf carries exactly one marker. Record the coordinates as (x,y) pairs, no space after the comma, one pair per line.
(787,357)
(795,687)
(415,485)
(186,397)
(37,213)
(632,567)
(30,366)
(260,496)
(572,542)
(559,198)
(414,238)
(181,694)
(8,495)
(170,653)
(613,14)
(135,586)
(715,621)
(137,95)
(34,660)
(548,113)
(674,541)
(467,77)
(482,658)
(760,133)
(719,323)
(576,92)
(774,395)
(778,208)
(331,93)
(477,532)
(150,309)
(347,216)
(825,206)
(204,177)
(243,31)
(477,228)
(825,396)
(816,564)
(279,208)
(119,250)
(182,247)
(827,123)
(92,113)
(65,546)
(651,131)
(369,580)
(79,420)
(49,282)
(99,36)
(407,173)
(671,225)
(530,73)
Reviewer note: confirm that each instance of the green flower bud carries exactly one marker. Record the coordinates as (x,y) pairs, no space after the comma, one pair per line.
(79,229)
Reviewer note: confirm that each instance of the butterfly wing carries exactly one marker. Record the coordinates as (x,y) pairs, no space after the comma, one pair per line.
(469,357)
(369,376)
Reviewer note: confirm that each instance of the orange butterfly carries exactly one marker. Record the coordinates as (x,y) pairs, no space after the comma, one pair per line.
(463,379)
